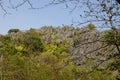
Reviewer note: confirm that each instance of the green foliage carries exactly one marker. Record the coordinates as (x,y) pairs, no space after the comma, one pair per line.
(114,66)
(98,75)
(110,37)
(28,42)
(13,31)
(32,41)
(6,46)
(14,67)
(46,67)
(91,26)
(66,27)
(58,51)
(18,60)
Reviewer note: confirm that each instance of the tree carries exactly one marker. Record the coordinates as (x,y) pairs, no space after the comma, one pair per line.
(13,31)
(32,41)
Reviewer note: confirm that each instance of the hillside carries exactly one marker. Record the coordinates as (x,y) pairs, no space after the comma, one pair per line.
(58,53)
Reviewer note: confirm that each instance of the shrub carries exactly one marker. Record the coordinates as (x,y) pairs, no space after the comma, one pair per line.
(110,37)
(90,26)
(13,31)
(33,42)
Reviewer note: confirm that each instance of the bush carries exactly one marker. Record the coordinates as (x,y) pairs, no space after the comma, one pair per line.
(13,31)
(90,26)
(33,42)
(110,37)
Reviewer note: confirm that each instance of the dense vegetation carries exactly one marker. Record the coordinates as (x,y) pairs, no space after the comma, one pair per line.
(31,55)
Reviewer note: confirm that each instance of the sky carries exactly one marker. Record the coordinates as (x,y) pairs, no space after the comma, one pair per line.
(25,18)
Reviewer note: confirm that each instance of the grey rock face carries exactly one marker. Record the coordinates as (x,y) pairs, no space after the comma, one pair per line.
(85,44)
(88,46)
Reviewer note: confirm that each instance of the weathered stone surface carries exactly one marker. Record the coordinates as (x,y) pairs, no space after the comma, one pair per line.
(88,46)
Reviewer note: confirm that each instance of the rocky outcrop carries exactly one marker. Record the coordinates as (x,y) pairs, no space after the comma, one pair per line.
(85,44)
(57,34)
(89,47)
